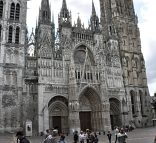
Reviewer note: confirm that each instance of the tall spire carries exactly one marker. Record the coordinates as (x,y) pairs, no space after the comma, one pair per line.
(93,9)
(45,12)
(94,20)
(65,16)
(64,5)
(45,3)
(79,22)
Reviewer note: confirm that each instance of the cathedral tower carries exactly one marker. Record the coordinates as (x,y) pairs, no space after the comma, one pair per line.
(120,13)
(64,18)
(94,20)
(12,60)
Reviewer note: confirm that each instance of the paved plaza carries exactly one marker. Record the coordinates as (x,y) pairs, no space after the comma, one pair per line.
(145,135)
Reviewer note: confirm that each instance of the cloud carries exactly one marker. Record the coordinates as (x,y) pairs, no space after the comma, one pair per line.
(145,9)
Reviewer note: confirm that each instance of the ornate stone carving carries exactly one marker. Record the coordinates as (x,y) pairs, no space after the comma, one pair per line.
(8,101)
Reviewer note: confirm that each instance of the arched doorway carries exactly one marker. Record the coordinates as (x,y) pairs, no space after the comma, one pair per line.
(58,114)
(90,110)
(115,113)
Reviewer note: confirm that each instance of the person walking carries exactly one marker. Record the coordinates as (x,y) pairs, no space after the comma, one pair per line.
(76,137)
(21,138)
(95,138)
(122,136)
(109,135)
(116,133)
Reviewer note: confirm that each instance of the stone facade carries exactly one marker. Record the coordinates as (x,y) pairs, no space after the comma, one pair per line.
(75,79)
(12,59)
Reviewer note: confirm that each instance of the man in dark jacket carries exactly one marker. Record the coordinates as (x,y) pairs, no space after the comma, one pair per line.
(76,137)
(21,138)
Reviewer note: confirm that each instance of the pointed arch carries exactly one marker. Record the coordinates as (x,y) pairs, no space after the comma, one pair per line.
(1,9)
(115,112)
(133,100)
(114,106)
(90,108)
(10,34)
(17,35)
(17,15)
(92,96)
(141,101)
(12,11)
(58,113)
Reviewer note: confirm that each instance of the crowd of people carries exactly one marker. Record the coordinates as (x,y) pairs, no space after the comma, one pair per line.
(85,137)
(52,136)
(91,137)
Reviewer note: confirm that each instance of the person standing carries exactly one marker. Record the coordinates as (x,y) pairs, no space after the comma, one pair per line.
(109,135)
(47,133)
(122,136)
(87,135)
(116,133)
(21,138)
(81,137)
(95,138)
(76,137)
(55,137)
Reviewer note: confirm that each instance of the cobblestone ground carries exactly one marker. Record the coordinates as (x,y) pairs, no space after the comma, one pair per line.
(144,135)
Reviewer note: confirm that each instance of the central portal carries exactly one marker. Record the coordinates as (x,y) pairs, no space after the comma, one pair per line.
(90,111)
(85,120)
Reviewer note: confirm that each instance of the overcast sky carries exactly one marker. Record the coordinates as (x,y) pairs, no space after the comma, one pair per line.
(145,9)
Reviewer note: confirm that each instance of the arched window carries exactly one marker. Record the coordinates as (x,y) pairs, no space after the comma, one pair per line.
(14,77)
(12,11)
(132,93)
(17,12)
(141,101)
(45,15)
(1,9)
(10,34)
(0,31)
(17,35)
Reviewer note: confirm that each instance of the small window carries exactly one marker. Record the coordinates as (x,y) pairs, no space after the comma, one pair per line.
(12,11)
(17,12)
(17,35)
(45,15)
(1,9)
(10,34)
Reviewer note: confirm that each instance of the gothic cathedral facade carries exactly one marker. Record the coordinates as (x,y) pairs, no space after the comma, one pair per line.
(76,78)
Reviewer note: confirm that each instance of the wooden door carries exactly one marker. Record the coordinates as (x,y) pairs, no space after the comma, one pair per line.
(85,120)
(57,123)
